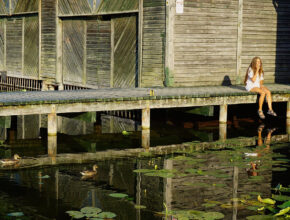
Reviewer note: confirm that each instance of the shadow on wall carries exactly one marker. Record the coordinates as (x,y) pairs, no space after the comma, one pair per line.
(282,64)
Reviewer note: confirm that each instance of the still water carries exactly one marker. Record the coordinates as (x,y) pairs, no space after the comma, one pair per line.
(201,177)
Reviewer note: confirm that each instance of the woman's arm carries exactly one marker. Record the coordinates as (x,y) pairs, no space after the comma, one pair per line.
(255,76)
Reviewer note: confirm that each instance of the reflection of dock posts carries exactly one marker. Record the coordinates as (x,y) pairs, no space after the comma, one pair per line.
(168,165)
(146,128)
(223,122)
(52,134)
(235,192)
(288,119)
(138,190)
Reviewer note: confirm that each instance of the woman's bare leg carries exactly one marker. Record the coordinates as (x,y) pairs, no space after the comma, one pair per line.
(262,96)
(268,96)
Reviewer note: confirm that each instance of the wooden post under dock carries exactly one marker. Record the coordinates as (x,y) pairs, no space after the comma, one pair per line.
(52,146)
(145,118)
(145,138)
(222,131)
(52,124)
(223,114)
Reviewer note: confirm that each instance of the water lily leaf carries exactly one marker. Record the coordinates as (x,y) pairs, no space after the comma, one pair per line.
(213,215)
(182,158)
(219,184)
(96,219)
(283,211)
(91,210)
(140,207)
(208,205)
(281,198)
(15,214)
(253,208)
(284,205)
(197,184)
(256,178)
(191,170)
(163,175)
(118,195)
(126,133)
(76,214)
(279,169)
(267,200)
(260,217)
(143,170)
(44,177)
(106,215)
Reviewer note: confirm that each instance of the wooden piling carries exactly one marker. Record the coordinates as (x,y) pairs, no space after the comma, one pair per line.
(223,113)
(222,131)
(145,138)
(145,118)
(52,124)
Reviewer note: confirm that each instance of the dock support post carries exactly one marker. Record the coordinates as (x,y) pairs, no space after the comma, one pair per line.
(52,146)
(223,114)
(146,128)
(52,124)
(223,122)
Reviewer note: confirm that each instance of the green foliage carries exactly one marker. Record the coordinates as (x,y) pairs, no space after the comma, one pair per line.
(118,195)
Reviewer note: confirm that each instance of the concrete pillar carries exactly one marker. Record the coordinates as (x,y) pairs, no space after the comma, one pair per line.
(145,138)
(52,124)
(222,131)
(223,114)
(145,118)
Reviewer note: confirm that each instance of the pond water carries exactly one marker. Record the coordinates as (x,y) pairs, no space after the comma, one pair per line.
(200,177)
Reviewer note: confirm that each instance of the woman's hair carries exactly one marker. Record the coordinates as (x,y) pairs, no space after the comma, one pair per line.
(253,67)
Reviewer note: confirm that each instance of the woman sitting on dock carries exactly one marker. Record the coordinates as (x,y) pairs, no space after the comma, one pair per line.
(254,83)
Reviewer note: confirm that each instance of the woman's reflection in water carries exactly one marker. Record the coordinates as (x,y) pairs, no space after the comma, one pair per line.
(254,165)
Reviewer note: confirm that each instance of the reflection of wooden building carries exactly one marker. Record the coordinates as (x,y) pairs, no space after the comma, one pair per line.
(141,43)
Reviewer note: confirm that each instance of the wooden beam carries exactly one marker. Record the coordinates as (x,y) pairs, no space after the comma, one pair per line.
(59,54)
(23,45)
(145,138)
(112,53)
(101,14)
(85,54)
(140,42)
(169,50)
(5,44)
(239,77)
(39,38)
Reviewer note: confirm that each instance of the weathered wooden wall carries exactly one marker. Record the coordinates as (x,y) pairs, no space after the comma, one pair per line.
(48,39)
(266,34)
(125,52)
(205,40)
(2,43)
(214,41)
(153,43)
(93,7)
(98,67)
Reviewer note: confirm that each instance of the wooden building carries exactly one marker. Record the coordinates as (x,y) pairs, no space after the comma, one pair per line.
(141,43)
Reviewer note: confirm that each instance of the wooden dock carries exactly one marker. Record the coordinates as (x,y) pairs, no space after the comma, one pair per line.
(56,102)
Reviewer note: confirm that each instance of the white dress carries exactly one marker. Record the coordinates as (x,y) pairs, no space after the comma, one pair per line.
(250,84)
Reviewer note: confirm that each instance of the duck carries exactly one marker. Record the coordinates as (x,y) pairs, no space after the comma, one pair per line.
(90,173)
(12,161)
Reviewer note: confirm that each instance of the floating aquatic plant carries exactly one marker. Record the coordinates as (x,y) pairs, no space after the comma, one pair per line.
(15,214)
(91,213)
(118,195)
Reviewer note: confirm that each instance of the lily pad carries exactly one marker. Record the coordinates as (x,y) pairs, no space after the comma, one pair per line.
(213,215)
(76,214)
(208,205)
(91,210)
(284,205)
(260,217)
(15,214)
(256,178)
(281,198)
(106,215)
(118,195)
(279,169)
(140,207)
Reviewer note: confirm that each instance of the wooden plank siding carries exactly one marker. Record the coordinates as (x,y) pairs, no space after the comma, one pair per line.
(205,41)
(48,39)
(125,52)
(2,44)
(73,51)
(14,46)
(99,53)
(112,6)
(31,47)
(24,6)
(74,7)
(153,43)
(267,34)
(3,8)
